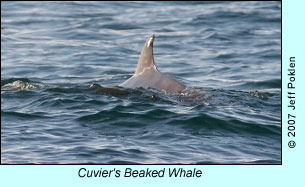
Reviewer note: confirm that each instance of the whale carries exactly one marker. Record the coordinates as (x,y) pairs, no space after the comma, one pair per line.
(147,74)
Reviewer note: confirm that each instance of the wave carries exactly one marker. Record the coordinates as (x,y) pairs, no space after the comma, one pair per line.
(35,115)
(19,85)
(11,80)
(196,123)
(272,83)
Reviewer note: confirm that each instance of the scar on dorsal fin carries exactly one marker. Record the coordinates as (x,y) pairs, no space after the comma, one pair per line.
(146,60)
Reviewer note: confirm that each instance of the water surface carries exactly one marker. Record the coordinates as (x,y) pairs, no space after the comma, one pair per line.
(227,53)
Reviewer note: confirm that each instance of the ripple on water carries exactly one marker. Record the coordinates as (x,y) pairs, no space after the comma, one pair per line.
(59,104)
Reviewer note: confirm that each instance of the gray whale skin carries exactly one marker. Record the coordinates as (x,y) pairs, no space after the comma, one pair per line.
(148,76)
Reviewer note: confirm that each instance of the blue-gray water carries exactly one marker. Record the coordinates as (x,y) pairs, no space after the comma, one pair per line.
(227,53)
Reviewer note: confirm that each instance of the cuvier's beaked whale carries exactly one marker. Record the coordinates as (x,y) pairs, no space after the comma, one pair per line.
(148,76)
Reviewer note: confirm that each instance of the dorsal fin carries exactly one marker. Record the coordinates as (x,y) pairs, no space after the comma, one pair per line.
(146,59)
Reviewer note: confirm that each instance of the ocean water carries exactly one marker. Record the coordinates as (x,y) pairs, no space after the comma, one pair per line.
(55,56)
